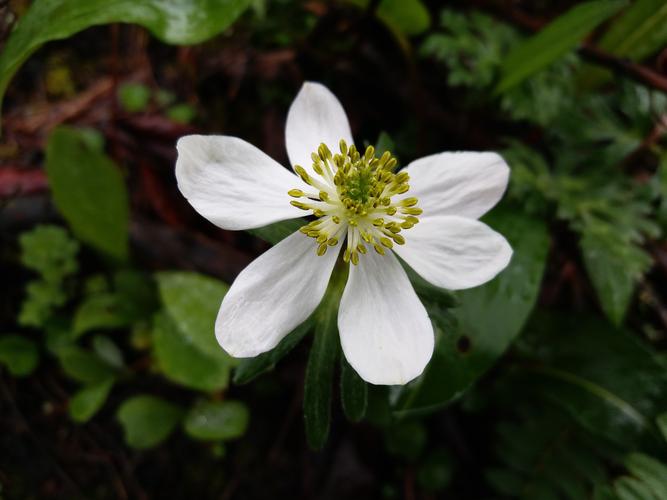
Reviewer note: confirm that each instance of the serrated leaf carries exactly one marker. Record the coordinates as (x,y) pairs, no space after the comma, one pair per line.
(182,362)
(50,251)
(217,420)
(89,190)
(353,392)
(320,367)
(603,252)
(554,41)
(251,368)
(181,22)
(18,354)
(84,366)
(192,301)
(472,336)
(148,420)
(88,401)
(650,471)
(629,488)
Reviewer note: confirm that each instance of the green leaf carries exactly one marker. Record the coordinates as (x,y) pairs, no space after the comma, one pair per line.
(321,364)
(182,362)
(474,335)
(650,471)
(409,17)
(134,97)
(606,379)
(251,368)
(554,41)
(353,392)
(274,233)
(181,22)
(192,300)
(641,31)
(89,190)
(88,401)
(403,17)
(217,420)
(604,251)
(108,351)
(84,366)
(50,251)
(18,354)
(629,488)
(148,420)
(98,312)
(182,113)
(661,421)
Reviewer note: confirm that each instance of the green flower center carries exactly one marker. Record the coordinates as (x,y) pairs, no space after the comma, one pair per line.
(356,196)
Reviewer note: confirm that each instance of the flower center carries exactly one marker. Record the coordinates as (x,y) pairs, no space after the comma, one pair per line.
(352,198)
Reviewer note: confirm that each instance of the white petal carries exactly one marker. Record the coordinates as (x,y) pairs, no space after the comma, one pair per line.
(385,332)
(273,295)
(462,183)
(454,252)
(232,183)
(316,116)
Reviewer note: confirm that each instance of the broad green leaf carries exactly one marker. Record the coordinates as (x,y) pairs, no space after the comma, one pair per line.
(182,362)
(251,368)
(148,420)
(409,17)
(217,420)
(18,354)
(554,41)
(99,311)
(605,378)
(273,233)
(181,22)
(137,294)
(403,17)
(88,401)
(84,366)
(192,301)
(603,252)
(353,392)
(88,189)
(650,471)
(471,337)
(321,364)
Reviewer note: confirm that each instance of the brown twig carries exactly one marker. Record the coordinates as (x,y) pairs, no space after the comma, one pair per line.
(638,72)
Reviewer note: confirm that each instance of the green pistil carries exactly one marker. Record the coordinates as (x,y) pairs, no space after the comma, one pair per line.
(353,196)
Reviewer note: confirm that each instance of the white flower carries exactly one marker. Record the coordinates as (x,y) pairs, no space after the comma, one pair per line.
(426,214)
